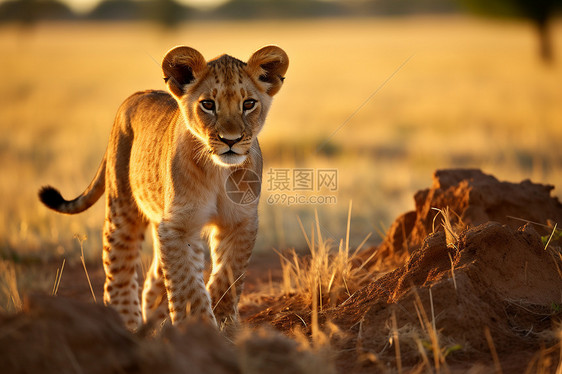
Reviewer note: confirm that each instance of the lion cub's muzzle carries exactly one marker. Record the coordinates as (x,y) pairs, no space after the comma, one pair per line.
(229,150)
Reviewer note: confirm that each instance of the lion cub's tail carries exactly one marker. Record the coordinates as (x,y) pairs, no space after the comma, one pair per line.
(52,198)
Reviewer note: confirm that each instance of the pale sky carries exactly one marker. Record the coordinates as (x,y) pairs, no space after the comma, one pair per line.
(82,6)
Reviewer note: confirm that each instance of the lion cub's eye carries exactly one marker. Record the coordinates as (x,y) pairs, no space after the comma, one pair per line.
(249,104)
(207,105)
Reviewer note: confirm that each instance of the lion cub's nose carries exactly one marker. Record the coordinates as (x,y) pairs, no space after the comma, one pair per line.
(229,140)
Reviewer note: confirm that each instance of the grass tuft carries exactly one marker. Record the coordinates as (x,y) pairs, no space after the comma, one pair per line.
(9,293)
(451,232)
(327,277)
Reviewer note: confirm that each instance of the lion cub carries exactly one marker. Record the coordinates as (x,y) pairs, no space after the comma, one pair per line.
(171,161)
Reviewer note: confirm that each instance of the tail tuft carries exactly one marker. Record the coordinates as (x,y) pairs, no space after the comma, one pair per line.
(51,197)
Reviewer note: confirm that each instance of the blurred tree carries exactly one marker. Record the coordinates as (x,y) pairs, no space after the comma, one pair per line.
(271,9)
(28,12)
(117,10)
(406,7)
(539,12)
(167,13)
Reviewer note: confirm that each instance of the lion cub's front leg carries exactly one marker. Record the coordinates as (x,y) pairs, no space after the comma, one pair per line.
(231,246)
(183,260)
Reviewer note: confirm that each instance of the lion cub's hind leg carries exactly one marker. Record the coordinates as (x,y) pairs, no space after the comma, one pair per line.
(154,295)
(123,233)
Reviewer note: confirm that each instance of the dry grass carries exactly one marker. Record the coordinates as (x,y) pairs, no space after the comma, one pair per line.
(58,278)
(81,240)
(10,300)
(429,340)
(473,94)
(326,278)
(490,340)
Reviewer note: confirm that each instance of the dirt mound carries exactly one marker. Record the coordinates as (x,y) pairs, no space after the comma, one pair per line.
(493,278)
(58,335)
(490,285)
(473,198)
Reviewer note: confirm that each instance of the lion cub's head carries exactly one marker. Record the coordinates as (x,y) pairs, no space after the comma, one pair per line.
(225,101)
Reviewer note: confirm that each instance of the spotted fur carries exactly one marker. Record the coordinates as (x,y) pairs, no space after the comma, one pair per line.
(166,165)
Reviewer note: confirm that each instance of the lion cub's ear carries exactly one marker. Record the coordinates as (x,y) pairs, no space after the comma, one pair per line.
(182,66)
(269,65)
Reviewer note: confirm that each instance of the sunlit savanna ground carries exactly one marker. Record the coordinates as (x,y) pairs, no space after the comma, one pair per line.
(462,93)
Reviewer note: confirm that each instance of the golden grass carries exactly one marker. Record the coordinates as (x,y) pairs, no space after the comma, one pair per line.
(326,278)
(81,240)
(9,293)
(58,278)
(474,93)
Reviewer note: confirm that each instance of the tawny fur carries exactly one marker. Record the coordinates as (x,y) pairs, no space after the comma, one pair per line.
(166,165)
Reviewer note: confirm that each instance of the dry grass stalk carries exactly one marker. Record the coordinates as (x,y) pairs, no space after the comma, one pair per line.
(543,361)
(492,347)
(314,324)
(423,354)
(453,271)
(348,226)
(433,336)
(429,328)
(396,342)
(9,293)
(550,237)
(451,235)
(58,278)
(81,240)
(559,368)
(231,288)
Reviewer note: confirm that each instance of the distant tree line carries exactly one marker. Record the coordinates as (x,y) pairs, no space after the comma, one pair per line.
(29,11)
(171,12)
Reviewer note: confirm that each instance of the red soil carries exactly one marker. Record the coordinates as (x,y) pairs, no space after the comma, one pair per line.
(473,198)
